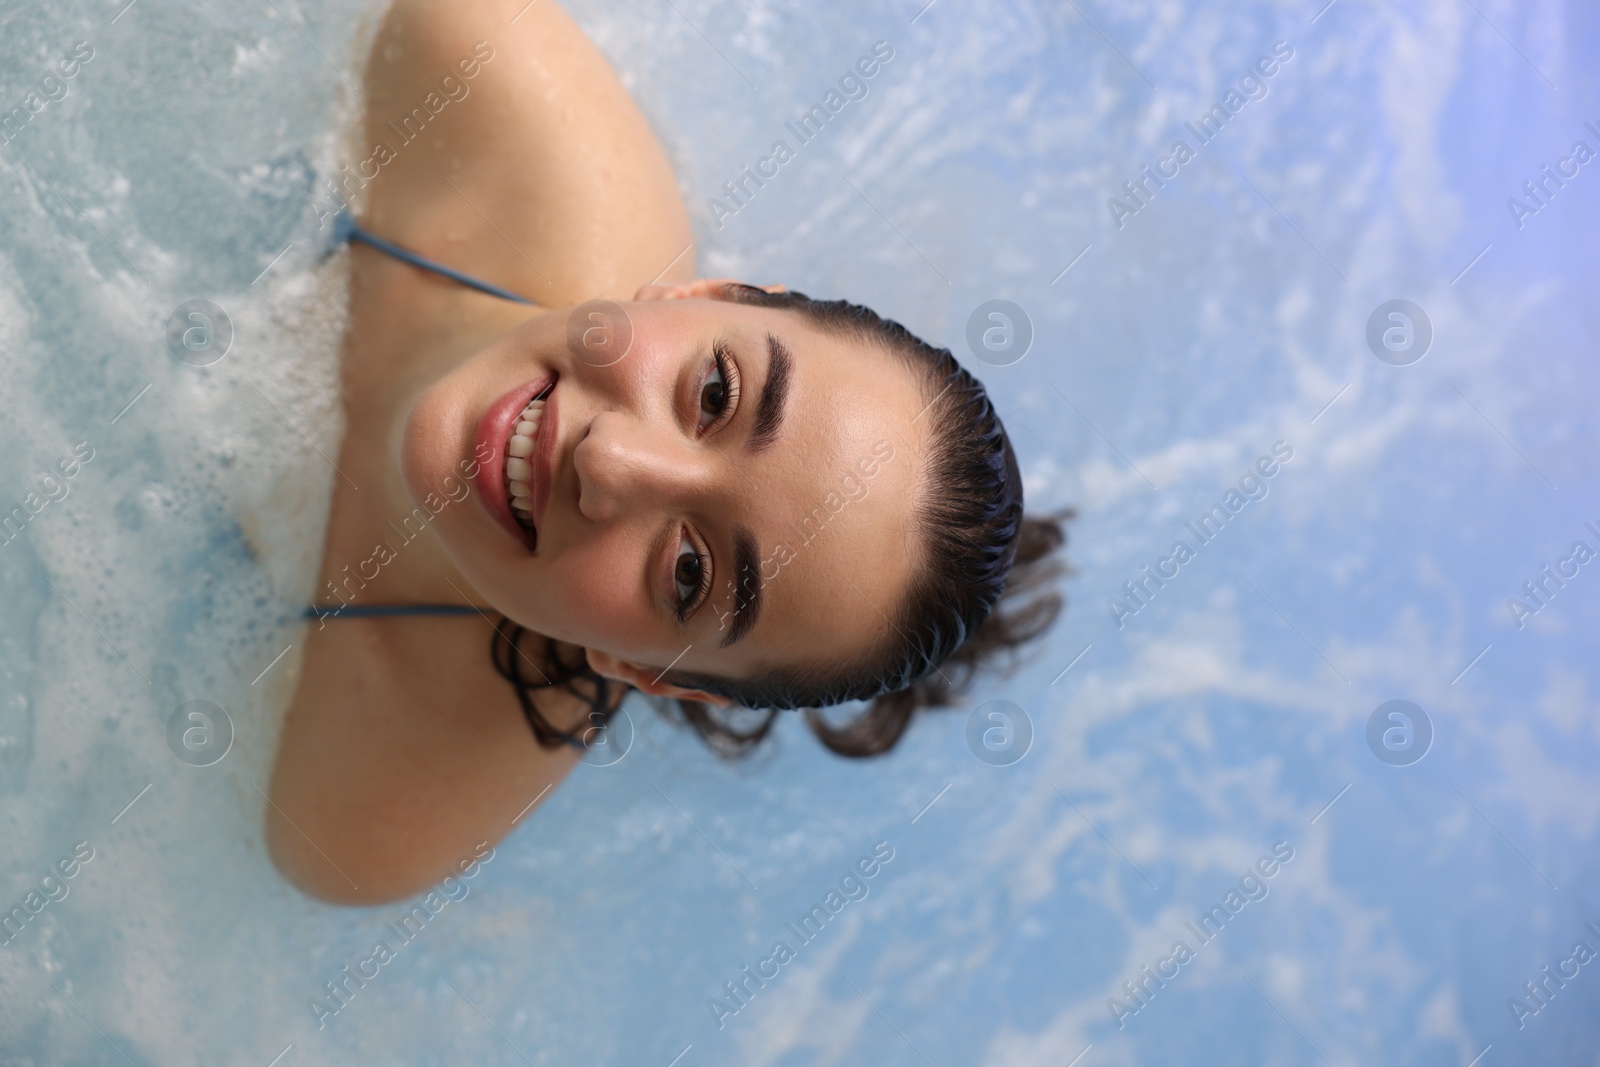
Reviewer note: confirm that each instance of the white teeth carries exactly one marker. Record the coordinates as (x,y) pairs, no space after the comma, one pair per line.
(518,470)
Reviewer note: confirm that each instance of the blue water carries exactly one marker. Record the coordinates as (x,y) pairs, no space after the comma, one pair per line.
(1173,747)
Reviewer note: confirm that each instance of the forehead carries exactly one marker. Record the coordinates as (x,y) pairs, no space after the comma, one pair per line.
(832,501)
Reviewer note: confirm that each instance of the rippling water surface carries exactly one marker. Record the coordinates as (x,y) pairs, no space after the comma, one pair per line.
(1202,353)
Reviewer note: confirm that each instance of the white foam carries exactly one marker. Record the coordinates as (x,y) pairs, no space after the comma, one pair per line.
(1219,719)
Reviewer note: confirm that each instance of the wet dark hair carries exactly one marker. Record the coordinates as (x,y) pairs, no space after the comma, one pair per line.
(984,585)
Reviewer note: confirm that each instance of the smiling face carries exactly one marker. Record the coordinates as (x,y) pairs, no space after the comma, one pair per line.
(729,441)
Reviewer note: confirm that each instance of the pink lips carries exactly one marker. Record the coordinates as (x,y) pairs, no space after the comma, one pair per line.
(494,429)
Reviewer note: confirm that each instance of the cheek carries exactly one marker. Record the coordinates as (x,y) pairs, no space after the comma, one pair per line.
(594,594)
(651,366)
(435,440)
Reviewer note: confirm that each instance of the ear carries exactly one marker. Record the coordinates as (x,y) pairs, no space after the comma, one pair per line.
(647,679)
(707,288)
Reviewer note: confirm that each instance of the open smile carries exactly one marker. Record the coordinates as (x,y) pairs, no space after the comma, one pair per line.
(520,457)
(519,432)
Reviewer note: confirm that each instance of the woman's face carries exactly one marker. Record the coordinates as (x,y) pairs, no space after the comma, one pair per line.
(726,442)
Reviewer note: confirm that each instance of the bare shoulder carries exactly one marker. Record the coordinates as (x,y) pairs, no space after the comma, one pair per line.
(496,130)
(402,750)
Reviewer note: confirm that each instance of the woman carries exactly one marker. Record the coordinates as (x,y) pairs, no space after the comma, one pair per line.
(701,490)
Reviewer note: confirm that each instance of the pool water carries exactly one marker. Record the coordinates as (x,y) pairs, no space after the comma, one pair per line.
(1320,384)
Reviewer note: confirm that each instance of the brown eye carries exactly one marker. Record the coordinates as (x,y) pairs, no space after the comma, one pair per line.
(713,396)
(689,576)
(687,571)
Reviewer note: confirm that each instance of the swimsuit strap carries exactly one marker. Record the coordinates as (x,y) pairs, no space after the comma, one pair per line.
(378,611)
(345,230)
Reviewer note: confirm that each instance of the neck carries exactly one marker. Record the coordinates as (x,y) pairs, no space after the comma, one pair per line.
(380,545)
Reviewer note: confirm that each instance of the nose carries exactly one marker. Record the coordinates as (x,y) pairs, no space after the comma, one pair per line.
(624,464)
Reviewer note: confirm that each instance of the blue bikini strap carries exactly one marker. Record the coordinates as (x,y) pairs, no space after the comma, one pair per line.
(346,230)
(374,611)
(377,611)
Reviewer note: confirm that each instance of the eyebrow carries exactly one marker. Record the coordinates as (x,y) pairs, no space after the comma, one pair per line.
(746,586)
(774,400)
